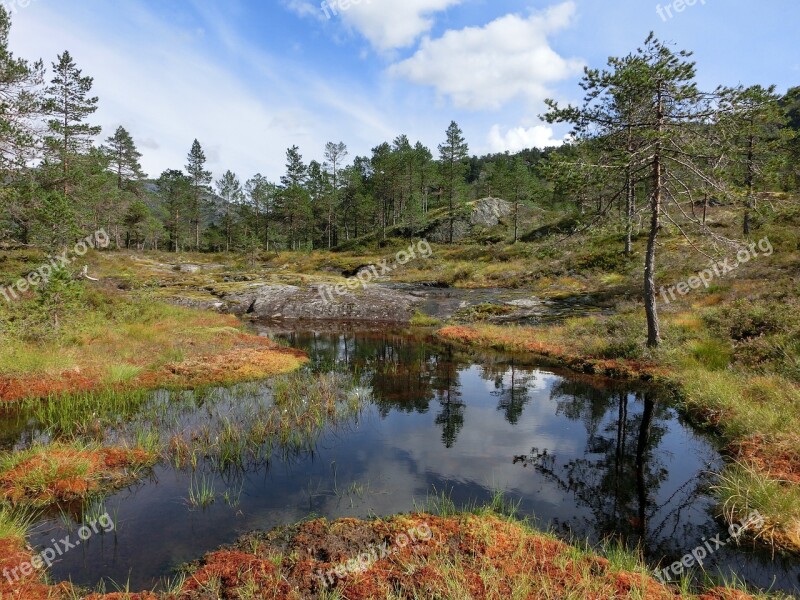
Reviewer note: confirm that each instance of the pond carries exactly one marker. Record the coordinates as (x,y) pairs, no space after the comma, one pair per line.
(587,458)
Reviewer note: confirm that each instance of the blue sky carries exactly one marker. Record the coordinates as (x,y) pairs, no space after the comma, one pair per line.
(249,78)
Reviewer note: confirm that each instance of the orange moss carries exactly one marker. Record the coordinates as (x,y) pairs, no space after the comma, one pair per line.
(43,386)
(62,474)
(468,556)
(779,463)
(240,364)
(13,555)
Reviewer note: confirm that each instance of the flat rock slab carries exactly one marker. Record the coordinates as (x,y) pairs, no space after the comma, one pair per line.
(321,303)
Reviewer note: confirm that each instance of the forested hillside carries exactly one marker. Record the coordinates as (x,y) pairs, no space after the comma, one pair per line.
(64,176)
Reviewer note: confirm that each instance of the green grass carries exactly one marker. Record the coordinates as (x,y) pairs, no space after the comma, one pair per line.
(122,373)
(420,319)
(15,523)
(201,492)
(742,490)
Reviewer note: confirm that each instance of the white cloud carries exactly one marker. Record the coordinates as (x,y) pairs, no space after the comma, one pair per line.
(521,138)
(390,24)
(387,24)
(486,67)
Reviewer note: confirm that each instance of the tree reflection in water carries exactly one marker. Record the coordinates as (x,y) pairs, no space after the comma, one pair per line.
(622,470)
(617,478)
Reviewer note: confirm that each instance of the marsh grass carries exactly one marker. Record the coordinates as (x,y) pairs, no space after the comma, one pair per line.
(44,475)
(226,427)
(420,319)
(122,373)
(15,523)
(742,489)
(201,491)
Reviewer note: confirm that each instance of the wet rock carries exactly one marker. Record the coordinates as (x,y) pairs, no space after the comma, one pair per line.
(202,304)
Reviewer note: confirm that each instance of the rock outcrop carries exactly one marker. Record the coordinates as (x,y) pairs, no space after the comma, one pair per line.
(323,303)
(483,214)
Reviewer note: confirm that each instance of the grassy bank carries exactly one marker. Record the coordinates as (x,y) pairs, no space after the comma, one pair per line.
(72,335)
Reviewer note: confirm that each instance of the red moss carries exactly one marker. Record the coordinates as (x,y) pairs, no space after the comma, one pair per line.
(63,480)
(477,545)
(778,463)
(44,386)
(12,556)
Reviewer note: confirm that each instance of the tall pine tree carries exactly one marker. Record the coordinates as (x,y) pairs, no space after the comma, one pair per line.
(453,154)
(200,179)
(69,104)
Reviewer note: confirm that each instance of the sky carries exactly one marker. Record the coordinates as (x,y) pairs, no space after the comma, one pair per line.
(250,78)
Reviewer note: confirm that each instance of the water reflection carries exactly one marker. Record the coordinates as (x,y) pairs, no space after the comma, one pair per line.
(590,459)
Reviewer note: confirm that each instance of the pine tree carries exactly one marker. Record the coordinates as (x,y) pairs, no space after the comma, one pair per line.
(650,96)
(790,177)
(175,189)
(423,160)
(70,104)
(261,193)
(21,104)
(294,198)
(452,155)
(753,124)
(519,188)
(335,154)
(123,161)
(200,179)
(230,190)
(124,158)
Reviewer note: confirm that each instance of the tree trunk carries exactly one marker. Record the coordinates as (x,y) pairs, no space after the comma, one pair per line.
(749,183)
(630,197)
(651,308)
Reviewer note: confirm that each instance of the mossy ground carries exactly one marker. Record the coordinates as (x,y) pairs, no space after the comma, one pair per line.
(477,555)
(112,339)
(62,473)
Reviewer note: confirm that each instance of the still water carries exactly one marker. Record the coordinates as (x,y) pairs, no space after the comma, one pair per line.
(589,459)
